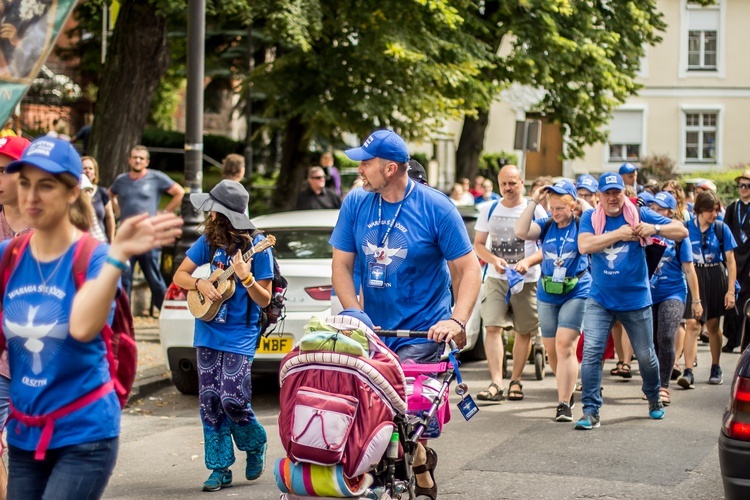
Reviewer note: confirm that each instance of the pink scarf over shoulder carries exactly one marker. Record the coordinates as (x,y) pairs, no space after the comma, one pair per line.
(629,211)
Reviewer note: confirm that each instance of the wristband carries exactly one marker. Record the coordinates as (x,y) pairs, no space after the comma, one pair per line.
(249,280)
(696,302)
(462,325)
(249,285)
(122,266)
(196,283)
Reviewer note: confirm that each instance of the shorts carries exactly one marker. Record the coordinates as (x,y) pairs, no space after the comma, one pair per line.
(424,353)
(520,314)
(567,315)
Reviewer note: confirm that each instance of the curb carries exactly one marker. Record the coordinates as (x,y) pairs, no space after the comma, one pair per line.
(148,382)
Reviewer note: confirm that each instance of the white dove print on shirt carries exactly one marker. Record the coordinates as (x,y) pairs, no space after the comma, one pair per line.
(34,335)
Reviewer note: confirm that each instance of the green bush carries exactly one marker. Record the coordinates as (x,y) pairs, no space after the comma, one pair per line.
(491,163)
(726,186)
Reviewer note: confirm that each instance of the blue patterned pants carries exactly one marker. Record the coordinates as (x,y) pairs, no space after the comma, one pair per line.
(225,393)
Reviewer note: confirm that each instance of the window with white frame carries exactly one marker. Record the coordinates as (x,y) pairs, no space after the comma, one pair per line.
(704,30)
(625,135)
(701,132)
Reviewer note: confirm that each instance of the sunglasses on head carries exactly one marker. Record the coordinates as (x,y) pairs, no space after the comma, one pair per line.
(744,185)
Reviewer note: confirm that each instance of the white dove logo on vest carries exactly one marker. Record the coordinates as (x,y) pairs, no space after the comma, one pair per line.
(34,335)
(612,253)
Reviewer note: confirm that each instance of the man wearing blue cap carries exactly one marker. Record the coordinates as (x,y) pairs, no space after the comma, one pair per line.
(402,233)
(629,174)
(614,234)
(587,187)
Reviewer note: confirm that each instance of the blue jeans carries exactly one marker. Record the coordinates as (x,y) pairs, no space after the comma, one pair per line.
(77,472)
(149,263)
(598,322)
(425,353)
(4,400)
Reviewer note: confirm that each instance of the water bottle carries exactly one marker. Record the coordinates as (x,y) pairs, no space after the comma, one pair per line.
(392,450)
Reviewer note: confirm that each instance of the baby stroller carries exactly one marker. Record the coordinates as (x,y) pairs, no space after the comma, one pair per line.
(345,422)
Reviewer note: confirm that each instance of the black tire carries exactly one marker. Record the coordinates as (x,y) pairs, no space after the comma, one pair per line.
(539,364)
(186,381)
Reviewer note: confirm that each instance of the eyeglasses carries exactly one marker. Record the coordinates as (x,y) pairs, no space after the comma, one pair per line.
(318,177)
(744,185)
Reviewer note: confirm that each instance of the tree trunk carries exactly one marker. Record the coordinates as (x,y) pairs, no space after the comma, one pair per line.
(137,59)
(295,158)
(471,144)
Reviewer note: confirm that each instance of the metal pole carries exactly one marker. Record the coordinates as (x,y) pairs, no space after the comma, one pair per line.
(193,131)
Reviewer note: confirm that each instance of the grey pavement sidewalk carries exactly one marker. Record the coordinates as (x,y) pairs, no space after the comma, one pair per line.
(152,372)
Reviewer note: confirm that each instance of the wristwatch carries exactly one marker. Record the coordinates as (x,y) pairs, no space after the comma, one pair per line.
(657,228)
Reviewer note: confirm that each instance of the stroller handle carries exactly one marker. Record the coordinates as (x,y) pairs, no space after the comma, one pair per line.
(411,334)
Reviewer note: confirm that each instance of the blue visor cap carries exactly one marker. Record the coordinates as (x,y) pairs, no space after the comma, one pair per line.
(563,187)
(55,156)
(665,200)
(627,168)
(385,144)
(647,197)
(610,180)
(587,182)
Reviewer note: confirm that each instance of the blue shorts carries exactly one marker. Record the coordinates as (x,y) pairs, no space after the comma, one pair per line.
(423,353)
(553,316)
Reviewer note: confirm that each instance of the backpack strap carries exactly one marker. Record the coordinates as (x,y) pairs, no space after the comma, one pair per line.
(489,216)
(9,261)
(82,257)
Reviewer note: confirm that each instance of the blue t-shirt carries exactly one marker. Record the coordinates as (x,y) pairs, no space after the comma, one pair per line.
(619,273)
(49,368)
(706,248)
(231,330)
(405,279)
(561,245)
(668,281)
(140,195)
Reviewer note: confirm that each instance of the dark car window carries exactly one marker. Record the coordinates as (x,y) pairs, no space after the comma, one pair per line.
(302,243)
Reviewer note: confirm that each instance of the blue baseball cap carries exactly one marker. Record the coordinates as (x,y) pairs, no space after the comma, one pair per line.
(647,197)
(385,144)
(563,186)
(627,168)
(55,156)
(587,182)
(610,180)
(360,315)
(665,200)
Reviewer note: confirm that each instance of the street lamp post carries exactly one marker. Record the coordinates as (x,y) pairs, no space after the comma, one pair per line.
(193,130)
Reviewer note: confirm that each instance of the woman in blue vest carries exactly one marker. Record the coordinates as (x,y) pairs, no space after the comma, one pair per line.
(669,293)
(713,254)
(65,417)
(563,286)
(226,343)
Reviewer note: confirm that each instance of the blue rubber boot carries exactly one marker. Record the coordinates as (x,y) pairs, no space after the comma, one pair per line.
(251,438)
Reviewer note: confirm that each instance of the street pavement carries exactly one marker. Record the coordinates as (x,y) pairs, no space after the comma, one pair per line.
(510,450)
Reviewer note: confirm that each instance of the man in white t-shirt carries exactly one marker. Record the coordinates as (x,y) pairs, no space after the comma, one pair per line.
(497,220)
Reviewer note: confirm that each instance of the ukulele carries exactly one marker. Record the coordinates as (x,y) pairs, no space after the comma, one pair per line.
(204,309)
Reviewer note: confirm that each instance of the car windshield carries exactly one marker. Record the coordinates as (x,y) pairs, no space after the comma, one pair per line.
(301,243)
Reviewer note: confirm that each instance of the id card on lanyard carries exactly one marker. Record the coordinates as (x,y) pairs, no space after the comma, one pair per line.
(377,270)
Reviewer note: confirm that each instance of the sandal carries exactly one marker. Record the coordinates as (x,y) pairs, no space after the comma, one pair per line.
(664,395)
(616,370)
(625,371)
(487,395)
(515,394)
(428,466)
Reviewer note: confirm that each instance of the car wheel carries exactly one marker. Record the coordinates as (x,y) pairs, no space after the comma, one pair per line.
(186,381)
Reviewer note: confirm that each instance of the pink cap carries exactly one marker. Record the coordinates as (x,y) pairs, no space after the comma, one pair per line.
(12,146)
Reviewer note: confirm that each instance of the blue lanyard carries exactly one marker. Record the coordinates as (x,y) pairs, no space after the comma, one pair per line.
(742,220)
(562,245)
(398,211)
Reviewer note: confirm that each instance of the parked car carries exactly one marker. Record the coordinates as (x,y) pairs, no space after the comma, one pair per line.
(304,257)
(734,439)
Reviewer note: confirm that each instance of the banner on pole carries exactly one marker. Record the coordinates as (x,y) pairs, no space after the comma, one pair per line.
(28,31)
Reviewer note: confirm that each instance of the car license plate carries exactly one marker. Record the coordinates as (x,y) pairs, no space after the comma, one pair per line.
(274,344)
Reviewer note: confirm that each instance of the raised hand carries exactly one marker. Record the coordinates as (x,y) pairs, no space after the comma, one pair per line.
(141,233)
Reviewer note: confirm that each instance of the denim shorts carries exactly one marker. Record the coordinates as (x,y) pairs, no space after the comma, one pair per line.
(424,353)
(553,316)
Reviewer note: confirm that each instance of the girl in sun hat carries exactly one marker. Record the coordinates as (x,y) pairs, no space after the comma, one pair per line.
(59,372)
(226,343)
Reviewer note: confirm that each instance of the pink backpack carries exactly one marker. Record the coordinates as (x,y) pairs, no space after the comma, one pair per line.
(338,408)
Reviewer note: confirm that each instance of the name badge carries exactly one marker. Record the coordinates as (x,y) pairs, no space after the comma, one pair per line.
(467,407)
(558,275)
(376,275)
